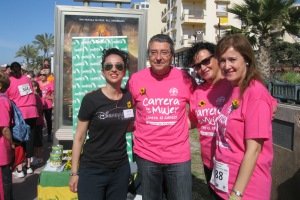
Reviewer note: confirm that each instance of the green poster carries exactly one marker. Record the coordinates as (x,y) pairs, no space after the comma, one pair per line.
(86,70)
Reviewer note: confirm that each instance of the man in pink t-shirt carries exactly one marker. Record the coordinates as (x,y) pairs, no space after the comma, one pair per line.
(161,138)
(6,142)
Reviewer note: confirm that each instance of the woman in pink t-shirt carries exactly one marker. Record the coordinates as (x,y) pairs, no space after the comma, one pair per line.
(244,154)
(21,92)
(207,100)
(48,96)
(38,139)
(6,141)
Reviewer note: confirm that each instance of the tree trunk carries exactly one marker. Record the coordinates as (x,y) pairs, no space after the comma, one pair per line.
(264,57)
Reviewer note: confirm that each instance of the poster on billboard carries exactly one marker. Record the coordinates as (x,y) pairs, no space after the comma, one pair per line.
(86,71)
(80,21)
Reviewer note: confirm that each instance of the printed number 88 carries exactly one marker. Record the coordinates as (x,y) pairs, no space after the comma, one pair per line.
(218,175)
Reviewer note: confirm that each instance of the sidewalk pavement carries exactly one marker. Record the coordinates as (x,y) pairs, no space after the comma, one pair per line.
(26,188)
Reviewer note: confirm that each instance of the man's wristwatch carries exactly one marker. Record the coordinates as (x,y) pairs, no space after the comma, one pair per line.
(237,193)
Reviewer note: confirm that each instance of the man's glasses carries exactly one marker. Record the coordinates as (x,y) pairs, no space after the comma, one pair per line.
(109,66)
(43,74)
(162,53)
(205,61)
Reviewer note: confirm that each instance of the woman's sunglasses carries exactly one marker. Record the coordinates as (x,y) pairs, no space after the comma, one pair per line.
(205,61)
(43,74)
(118,66)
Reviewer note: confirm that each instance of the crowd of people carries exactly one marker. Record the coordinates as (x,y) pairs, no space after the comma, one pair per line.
(231,109)
(33,95)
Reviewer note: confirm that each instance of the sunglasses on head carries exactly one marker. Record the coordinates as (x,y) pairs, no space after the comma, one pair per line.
(109,66)
(43,74)
(205,61)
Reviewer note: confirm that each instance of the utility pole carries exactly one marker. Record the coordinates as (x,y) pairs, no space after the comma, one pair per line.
(219,29)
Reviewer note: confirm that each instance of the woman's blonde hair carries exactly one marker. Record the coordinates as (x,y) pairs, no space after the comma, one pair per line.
(45,71)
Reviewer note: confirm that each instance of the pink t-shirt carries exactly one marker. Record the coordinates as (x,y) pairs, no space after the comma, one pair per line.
(251,120)
(39,107)
(47,89)
(214,97)
(5,121)
(21,92)
(162,133)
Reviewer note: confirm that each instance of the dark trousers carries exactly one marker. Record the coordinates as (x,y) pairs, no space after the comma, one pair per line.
(48,117)
(7,181)
(208,173)
(29,144)
(103,184)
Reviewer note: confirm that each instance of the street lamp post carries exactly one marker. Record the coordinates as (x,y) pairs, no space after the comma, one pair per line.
(219,29)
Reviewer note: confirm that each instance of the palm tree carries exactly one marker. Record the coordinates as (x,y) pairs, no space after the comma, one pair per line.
(265,20)
(29,52)
(45,42)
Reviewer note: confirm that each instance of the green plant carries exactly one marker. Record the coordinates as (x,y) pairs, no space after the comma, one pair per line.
(291,77)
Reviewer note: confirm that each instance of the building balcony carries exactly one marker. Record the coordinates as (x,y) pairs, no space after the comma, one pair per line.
(192,16)
(163,1)
(222,1)
(188,40)
(183,1)
(164,15)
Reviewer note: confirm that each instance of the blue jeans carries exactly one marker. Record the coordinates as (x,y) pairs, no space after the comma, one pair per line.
(177,177)
(103,183)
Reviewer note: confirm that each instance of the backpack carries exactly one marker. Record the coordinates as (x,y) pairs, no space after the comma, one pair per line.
(20,130)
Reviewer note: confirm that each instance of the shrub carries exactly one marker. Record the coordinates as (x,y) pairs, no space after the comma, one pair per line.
(291,77)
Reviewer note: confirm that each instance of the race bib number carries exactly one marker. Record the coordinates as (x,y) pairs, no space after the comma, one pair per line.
(220,176)
(24,89)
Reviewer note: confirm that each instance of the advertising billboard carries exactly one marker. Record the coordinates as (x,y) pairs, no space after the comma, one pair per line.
(81,21)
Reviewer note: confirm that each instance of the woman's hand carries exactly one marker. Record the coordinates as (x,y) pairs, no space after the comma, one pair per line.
(73,183)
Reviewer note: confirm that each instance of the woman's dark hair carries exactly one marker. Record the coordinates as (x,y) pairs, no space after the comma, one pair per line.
(4,82)
(38,89)
(199,46)
(115,51)
(16,70)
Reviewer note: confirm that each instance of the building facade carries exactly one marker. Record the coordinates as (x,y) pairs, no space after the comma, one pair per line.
(154,9)
(191,21)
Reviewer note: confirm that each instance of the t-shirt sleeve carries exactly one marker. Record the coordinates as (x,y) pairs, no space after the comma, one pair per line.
(5,114)
(258,119)
(86,108)
(130,87)
(192,109)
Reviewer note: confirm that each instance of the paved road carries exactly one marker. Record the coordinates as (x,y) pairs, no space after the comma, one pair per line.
(26,188)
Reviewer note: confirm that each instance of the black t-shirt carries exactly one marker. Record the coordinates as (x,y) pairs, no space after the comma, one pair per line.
(106,145)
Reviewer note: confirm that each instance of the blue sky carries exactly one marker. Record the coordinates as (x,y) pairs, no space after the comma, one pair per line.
(22,20)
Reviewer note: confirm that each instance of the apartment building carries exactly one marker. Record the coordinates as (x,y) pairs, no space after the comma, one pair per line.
(191,21)
(154,9)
